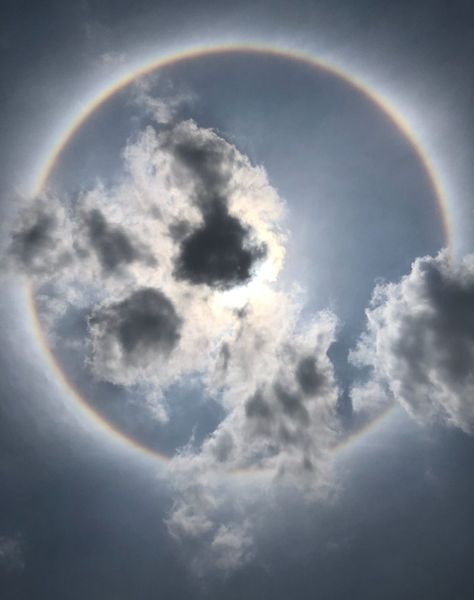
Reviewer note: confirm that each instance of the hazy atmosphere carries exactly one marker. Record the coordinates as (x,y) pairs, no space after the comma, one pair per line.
(237,319)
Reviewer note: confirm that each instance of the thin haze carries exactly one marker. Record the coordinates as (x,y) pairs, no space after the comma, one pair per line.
(239,264)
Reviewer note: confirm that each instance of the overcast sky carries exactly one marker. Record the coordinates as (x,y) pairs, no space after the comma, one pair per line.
(238,262)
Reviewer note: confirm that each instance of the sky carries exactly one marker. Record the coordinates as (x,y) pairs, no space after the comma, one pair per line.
(237,319)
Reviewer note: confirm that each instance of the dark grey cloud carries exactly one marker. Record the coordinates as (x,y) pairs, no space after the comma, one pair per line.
(289,418)
(220,253)
(144,322)
(112,244)
(223,359)
(267,407)
(179,230)
(36,245)
(45,240)
(27,243)
(256,407)
(292,394)
(224,447)
(420,340)
(283,412)
(209,162)
(292,403)
(308,377)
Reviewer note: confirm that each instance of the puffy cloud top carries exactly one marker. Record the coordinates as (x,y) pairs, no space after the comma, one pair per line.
(113,246)
(143,323)
(420,341)
(175,267)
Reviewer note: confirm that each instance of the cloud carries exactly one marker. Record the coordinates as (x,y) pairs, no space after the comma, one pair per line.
(219,253)
(282,423)
(211,222)
(176,268)
(159,98)
(207,162)
(11,553)
(140,328)
(39,241)
(35,238)
(231,547)
(208,545)
(279,422)
(113,246)
(308,377)
(419,341)
(112,58)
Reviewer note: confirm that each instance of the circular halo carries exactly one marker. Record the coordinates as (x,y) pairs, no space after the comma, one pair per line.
(88,110)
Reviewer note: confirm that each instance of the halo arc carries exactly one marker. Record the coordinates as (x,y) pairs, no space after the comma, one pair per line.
(48,165)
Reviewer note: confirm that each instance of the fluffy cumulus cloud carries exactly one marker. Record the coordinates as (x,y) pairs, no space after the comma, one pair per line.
(208,525)
(112,245)
(177,270)
(419,342)
(192,222)
(281,427)
(159,98)
(139,328)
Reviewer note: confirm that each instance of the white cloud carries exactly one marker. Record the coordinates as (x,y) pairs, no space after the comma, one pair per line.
(177,268)
(419,341)
(159,98)
(281,422)
(231,547)
(112,59)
